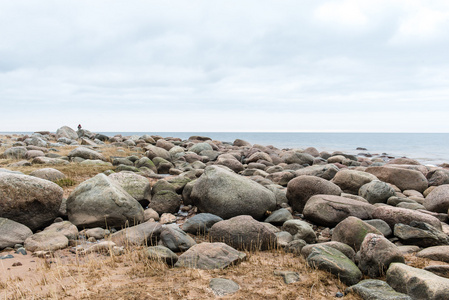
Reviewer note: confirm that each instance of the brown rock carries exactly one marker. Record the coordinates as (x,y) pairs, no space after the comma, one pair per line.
(301,188)
(350,181)
(393,215)
(243,232)
(438,199)
(328,210)
(403,178)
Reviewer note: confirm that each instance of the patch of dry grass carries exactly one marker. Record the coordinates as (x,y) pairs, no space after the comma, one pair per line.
(133,276)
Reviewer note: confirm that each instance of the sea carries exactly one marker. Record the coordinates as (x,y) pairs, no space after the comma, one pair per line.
(427,148)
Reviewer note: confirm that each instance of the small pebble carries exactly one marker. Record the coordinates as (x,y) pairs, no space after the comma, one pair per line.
(21,251)
(16,264)
(6,256)
(339,295)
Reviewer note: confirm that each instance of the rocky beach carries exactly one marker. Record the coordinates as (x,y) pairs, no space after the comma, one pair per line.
(91,216)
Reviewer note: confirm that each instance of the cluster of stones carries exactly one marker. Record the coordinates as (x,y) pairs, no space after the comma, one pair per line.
(349,215)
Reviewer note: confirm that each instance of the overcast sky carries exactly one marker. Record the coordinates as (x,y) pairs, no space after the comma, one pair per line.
(338,66)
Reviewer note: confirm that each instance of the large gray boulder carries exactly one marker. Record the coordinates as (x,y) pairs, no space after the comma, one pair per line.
(376,255)
(374,289)
(333,261)
(417,283)
(143,234)
(100,201)
(243,232)
(67,132)
(342,247)
(420,234)
(209,256)
(394,215)
(352,232)
(36,141)
(295,157)
(136,185)
(350,181)
(29,200)
(197,148)
(12,233)
(48,174)
(18,152)
(438,199)
(404,179)
(153,151)
(329,210)
(376,192)
(165,202)
(301,188)
(86,153)
(226,194)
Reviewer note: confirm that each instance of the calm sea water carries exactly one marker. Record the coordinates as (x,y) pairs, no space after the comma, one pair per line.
(428,148)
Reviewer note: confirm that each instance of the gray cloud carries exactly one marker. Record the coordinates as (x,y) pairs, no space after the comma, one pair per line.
(290,62)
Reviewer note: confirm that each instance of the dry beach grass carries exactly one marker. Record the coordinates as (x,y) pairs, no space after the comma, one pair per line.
(133,276)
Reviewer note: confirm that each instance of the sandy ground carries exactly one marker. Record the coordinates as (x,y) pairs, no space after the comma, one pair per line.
(67,276)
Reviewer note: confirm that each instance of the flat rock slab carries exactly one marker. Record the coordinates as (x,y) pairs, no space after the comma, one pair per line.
(329,210)
(417,283)
(439,253)
(143,234)
(46,241)
(393,215)
(333,261)
(223,287)
(161,253)
(208,256)
(288,276)
(440,270)
(372,289)
(420,234)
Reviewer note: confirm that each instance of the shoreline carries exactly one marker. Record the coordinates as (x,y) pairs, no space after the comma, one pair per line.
(391,144)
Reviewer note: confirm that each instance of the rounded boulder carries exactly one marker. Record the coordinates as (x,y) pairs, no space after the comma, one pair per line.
(226,194)
(300,189)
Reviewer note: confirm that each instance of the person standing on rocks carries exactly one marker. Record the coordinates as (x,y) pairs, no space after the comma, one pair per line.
(79,126)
